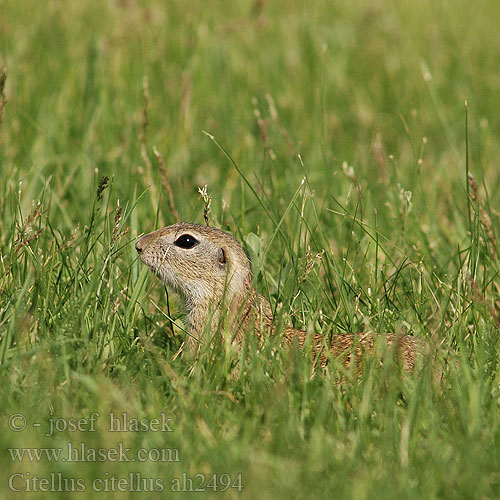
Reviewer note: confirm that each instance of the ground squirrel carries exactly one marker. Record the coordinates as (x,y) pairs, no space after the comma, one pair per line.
(210,269)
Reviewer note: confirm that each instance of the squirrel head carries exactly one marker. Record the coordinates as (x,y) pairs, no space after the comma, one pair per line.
(204,264)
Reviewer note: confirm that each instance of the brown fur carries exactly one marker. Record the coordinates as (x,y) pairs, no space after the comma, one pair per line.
(216,275)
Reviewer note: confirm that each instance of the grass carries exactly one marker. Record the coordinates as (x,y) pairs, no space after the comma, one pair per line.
(336,126)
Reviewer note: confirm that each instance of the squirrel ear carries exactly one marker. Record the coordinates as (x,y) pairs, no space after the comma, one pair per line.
(221,257)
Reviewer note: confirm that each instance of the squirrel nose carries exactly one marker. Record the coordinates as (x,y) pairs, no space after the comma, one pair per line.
(141,244)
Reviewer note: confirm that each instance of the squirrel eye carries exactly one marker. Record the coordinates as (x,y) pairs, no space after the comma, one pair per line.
(185,241)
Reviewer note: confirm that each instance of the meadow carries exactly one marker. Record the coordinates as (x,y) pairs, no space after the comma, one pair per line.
(351,146)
